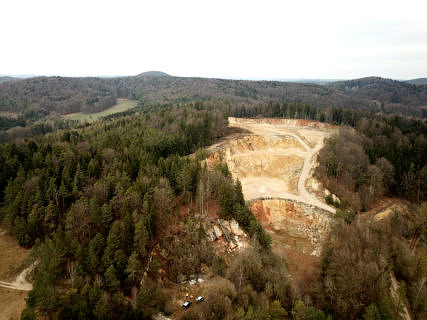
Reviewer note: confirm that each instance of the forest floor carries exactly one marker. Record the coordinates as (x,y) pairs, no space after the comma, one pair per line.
(122,105)
(12,256)
(273,160)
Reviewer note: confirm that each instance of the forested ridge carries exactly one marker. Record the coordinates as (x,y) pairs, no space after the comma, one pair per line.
(95,201)
(63,95)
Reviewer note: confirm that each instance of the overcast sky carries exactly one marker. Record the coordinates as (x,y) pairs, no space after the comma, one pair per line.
(230,39)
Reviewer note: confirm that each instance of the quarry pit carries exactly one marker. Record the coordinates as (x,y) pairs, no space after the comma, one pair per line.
(274,159)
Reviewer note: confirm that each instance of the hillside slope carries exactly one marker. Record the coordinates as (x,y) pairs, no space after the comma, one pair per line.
(417,81)
(153,74)
(389,93)
(69,95)
(6,79)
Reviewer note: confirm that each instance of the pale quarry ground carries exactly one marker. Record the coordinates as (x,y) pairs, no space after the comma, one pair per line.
(274,160)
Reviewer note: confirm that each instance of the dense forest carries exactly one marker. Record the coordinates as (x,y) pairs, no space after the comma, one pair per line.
(61,95)
(94,203)
(392,93)
(97,202)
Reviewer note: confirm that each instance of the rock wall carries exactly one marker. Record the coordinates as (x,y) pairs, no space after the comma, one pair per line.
(297,123)
(294,219)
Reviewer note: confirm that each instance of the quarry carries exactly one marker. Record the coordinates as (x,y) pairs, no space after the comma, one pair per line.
(274,159)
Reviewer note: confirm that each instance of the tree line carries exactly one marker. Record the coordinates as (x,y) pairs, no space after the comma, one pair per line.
(96,201)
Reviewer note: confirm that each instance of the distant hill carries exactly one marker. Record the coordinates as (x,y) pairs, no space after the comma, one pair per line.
(417,81)
(6,79)
(394,95)
(62,95)
(315,81)
(153,74)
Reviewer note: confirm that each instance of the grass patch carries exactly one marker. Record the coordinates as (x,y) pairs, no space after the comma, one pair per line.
(11,256)
(12,302)
(122,105)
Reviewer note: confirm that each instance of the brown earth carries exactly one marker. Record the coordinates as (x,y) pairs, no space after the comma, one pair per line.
(386,207)
(12,302)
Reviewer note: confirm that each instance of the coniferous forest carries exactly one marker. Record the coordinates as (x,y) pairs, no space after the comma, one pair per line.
(95,202)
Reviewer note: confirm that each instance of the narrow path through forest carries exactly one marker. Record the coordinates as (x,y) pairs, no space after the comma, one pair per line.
(21,282)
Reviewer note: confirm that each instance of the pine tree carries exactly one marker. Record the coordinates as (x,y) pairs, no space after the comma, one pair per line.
(111,282)
(141,237)
(134,269)
(277,312)
(96,249)
(103,310)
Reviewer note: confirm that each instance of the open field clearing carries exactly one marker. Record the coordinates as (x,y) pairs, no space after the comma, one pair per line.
(11,257)
(122,105)
(12,301)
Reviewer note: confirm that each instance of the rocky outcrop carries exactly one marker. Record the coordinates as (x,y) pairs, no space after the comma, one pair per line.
(294,219)
(227,235)
(297,123)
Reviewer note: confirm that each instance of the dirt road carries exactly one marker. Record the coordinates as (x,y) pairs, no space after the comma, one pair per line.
(305,174)
(21,282)
(267,186)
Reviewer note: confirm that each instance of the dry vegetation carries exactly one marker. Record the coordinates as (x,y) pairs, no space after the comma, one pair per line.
(122,105)
(12,302)
(11,257)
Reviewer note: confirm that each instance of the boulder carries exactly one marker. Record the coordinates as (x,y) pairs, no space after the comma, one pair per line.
(335,198)
(235,228)
(217,230)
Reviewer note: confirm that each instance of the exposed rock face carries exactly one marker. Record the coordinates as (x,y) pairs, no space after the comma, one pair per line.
(217,231)
(334,197)
(293,219)
(315,185)
(274,163)
(234,227)
(227,235)
(297,123)
(265,165)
